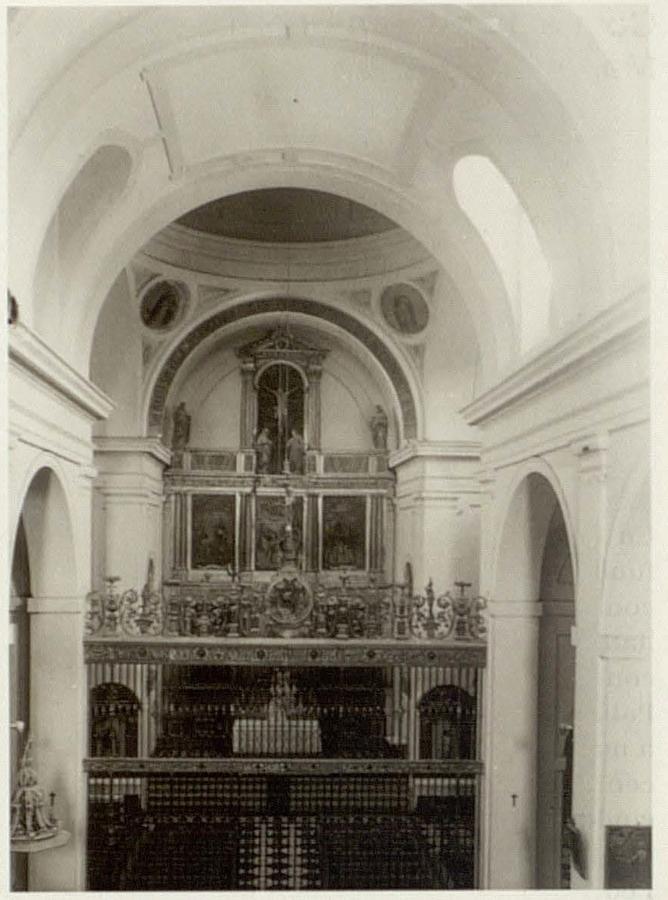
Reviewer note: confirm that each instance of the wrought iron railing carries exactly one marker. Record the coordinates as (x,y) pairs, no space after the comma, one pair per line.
(386,829)
(288,606)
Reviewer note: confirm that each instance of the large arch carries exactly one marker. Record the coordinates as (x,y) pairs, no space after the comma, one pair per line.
(408,405)
(531,667)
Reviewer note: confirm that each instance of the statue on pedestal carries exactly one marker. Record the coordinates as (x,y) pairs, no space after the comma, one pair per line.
(181,430)
(378,427)
(263,447)
(295,451)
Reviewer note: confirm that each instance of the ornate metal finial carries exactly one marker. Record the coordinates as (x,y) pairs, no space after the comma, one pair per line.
(32,820)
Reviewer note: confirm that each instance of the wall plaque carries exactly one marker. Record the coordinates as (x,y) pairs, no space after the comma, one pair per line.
(344,532)
(628,856)
(212,541)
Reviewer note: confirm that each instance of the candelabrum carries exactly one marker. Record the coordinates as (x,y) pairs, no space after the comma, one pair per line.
(32,819)
(446,616)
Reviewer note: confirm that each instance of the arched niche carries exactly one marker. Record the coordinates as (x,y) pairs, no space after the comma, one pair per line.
(313,312)
(447,723)
(114,720)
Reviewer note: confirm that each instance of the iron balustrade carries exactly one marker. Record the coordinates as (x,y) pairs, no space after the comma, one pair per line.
(289,606)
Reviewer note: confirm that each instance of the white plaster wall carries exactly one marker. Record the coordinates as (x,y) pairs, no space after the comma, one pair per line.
(590,477)
(116,360)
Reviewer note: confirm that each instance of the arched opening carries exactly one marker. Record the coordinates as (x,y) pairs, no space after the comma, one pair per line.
(556,679)
(114,720)
(46,673)
(50,542)
(447,723)
(533,670)
(19,676)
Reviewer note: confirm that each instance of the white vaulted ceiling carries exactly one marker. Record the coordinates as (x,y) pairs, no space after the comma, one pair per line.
(373,104)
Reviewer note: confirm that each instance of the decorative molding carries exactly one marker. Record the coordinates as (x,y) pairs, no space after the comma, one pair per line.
(133,766)
(153,446)
(360,257)
(597,338)
(295,652)
(435,450)
(56,605)
(34,355)
(515,609)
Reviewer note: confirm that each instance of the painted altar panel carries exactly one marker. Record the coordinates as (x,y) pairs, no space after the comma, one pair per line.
(270,518)
(344,532)
(213,527)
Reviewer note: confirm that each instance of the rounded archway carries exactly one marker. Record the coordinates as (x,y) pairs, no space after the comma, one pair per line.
(532,667)
(47,682)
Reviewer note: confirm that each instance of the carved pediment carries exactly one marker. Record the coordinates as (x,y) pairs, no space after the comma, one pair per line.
(282,344)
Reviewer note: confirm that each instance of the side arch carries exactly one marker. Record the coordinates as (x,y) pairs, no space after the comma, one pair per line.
(536,466)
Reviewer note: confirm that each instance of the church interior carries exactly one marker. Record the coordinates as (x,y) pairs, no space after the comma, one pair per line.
(329,416)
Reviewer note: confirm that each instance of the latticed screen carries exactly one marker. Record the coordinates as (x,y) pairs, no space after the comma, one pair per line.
(283,777)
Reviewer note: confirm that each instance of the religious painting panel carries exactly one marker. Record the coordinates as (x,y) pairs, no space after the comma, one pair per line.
(404,309)
(271,517)
(213,527)
(344,532)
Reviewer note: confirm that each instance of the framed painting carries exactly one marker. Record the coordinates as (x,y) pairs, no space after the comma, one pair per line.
(212,543)
(344,532)
(270,530)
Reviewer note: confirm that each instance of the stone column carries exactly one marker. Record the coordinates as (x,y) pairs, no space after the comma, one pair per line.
(58,701)
(179,535)
(509,808)
(376,533)
(313,434)
(248,406)
(312,536)
(591,458)
(246,549)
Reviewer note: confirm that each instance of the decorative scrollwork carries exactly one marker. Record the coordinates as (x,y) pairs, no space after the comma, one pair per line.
(288,606)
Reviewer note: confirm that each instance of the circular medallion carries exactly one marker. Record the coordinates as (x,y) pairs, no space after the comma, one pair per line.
(289,601)
(162,305)
(404,309)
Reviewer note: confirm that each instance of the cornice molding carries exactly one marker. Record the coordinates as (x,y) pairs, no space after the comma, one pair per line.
(30,352)
(434,450)
(153,446)
(605,333)
(197,252)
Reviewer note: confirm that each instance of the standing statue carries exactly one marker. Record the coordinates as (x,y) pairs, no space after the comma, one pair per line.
(181,430)
(379,429)
(295,451)
(263,445)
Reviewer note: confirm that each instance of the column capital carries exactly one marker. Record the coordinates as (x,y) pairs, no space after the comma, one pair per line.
(152,446)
